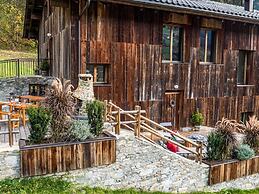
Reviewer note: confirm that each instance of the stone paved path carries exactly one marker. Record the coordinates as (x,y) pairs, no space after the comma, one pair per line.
(142,165)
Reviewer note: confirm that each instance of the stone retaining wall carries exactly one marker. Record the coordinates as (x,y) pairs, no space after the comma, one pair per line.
(9,164)
(20,86)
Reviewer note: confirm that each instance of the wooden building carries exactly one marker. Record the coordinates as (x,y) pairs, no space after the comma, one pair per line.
(171,57)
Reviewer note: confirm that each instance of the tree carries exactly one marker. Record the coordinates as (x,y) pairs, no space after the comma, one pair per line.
(11,26)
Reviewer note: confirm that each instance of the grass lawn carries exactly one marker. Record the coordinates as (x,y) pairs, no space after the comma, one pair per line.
(50,185)
(7,54)
(9,68)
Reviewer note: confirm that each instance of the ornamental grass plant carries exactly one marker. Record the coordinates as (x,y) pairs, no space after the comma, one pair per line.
(61,104)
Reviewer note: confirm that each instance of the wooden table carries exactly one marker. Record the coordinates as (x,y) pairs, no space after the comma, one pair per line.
(15,107)
(32,99)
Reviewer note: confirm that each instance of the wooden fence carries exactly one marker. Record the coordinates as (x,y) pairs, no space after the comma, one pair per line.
(141,124)
(18,67)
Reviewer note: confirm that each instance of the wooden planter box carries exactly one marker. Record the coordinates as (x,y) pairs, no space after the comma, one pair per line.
(230,170)
(60,157)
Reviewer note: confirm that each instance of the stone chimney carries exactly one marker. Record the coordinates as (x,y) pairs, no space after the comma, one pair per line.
(249,5)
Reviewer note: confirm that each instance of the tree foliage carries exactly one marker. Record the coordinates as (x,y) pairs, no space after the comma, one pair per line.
(11,26)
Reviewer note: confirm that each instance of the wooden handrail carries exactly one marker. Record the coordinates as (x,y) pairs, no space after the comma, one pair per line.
(169,131)
(167,139)
(140,123)
(125,112)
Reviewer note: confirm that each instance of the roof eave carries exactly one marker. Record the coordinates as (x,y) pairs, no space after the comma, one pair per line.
(179,9)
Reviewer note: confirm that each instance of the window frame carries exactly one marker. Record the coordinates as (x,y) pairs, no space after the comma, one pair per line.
(95,72)
(213,52)
(248,68)
(171,26)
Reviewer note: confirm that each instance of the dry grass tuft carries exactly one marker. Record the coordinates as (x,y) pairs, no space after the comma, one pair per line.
(251,131)
(61,103)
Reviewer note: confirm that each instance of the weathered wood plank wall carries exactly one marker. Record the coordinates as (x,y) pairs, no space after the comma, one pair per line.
(130,38)
(61,21)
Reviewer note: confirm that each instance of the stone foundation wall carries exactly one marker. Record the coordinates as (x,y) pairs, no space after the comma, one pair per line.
(20,86)
(9,164)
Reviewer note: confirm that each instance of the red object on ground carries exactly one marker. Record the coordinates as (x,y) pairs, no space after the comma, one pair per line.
(172,147)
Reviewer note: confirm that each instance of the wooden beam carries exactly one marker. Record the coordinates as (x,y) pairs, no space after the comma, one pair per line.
(211,23)
(60,3)
(177,18)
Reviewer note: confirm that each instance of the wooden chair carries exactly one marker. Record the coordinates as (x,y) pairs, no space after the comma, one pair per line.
(15,124)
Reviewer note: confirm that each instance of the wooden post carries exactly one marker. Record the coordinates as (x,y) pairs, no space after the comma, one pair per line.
(105,110)
(199,153)
(118,121)
(137,119)
(10,129)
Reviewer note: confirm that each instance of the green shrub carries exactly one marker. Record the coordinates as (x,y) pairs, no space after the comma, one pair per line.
(215,149)
(39,119)
(80,130)
(95,113)
(197,118)
(244,152)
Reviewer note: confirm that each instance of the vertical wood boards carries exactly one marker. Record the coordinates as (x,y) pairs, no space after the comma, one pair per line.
(53,158)
(215,108)
(62,24)
(232,170)
(129,39)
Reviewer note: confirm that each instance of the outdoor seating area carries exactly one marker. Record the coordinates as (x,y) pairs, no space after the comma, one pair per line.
(13,117)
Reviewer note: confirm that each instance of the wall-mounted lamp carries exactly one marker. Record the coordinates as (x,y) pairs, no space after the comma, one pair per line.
(176,86)
(49,35)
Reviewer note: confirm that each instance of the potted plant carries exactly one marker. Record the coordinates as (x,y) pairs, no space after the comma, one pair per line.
(62,142)
(197,120)
(44,67)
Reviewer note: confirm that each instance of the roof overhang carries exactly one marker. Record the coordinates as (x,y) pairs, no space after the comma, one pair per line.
(180,9)
(33,15)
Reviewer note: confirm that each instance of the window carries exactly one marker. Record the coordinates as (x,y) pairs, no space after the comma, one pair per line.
(99,72)
(172,43)
(207,45)
(242,68)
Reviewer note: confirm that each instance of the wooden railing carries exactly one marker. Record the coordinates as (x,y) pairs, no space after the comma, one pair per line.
(10,123)
(140,124)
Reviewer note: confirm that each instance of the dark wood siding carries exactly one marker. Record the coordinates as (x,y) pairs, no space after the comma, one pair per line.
(61,48)
(129,39)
